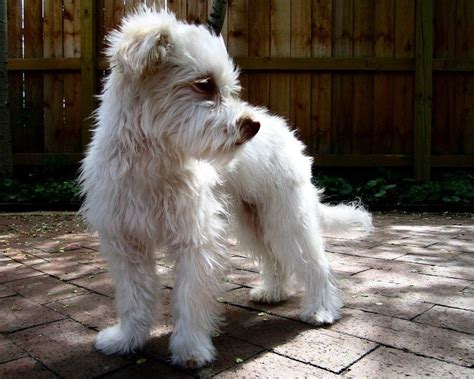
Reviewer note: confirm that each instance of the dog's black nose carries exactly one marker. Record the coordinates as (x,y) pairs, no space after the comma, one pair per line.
(248,128)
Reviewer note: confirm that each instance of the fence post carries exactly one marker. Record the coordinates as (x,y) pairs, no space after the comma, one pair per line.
(6,161)
(88,66)
(423,89)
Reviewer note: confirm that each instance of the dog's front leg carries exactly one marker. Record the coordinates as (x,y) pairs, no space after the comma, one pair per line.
(133,270)
(195,308)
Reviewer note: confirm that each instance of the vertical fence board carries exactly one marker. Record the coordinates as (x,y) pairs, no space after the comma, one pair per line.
(6,157)
(88,66)
(444,85)
(342,84)
(15,79)
(259,46)
(53,82)
(364,18)
(280,47)
(238,36)
(383,83)
(178,7)
(103,9)
(301,46)
(321,83)
(423,90)
(403,82)
(72,140)
(197,11)
(465,86)
(33,136)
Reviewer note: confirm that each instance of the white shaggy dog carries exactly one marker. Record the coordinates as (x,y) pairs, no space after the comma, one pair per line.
(174,150)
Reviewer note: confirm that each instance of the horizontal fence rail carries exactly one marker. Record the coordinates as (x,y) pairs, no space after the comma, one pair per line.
(355,77)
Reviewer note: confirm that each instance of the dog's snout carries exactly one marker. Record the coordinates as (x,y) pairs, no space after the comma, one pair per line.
(248,128)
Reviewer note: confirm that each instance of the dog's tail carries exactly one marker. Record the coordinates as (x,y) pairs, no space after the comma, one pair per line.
(345,219)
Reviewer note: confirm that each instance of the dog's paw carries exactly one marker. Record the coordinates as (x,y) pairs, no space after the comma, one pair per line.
(320,317)
(261,294)
(192,354)
(113,340)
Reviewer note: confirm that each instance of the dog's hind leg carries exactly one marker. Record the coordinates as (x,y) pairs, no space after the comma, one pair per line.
(275,278)
(292,230)
(195,307)
(249,234)
(132,268)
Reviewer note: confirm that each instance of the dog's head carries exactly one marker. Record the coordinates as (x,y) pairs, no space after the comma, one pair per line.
(182,82)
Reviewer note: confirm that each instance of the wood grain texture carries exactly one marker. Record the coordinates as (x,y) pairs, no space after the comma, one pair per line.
(178,7)
(259,46)
(444,85)
(423,90)
(54,82)
(197,11)
(238,36)
(72,136)
(465,83)
(403,101)
(280,46)
(33,131)
(15,80)
(88,67)
(362,117)
(383,83)
(342,84)
(301,46)
(321,83)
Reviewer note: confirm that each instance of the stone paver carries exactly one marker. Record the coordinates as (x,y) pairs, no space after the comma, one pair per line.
(451,318)
(271,365)
(100,283)
(443,344)
(395,363)
(44,289)
(408,291)
(9,351)
(67,348)
(6,292)
(326,349)
(24,368)
(92,310)
(18,313)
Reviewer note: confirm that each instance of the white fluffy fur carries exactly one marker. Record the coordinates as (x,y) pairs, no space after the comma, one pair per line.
(167,162)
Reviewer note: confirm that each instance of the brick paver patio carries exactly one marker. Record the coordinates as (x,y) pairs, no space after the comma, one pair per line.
(408,291)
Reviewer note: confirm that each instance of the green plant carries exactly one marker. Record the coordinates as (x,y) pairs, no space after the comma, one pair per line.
(49,192)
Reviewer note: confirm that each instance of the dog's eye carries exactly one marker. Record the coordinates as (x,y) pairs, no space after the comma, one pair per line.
(205,85)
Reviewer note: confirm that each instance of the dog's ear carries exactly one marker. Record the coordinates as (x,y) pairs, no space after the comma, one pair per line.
(140,53)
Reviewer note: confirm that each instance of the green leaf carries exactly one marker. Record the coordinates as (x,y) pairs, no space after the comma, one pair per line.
(381,193)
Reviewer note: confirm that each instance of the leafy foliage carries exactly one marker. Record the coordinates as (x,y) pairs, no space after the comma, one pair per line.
(450,189)
(51,191)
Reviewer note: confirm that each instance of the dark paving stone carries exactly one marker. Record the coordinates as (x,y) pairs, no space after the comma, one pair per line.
(271,365)
(392,363)
(67,348)
(451,318)
(24,368)
(9,351)
(148,368)
(44,289)
(95,311)
(14,271)
(18,313)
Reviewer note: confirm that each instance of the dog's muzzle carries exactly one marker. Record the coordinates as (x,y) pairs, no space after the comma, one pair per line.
(247,128)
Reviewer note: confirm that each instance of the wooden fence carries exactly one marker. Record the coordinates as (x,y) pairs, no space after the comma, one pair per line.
(366,82)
